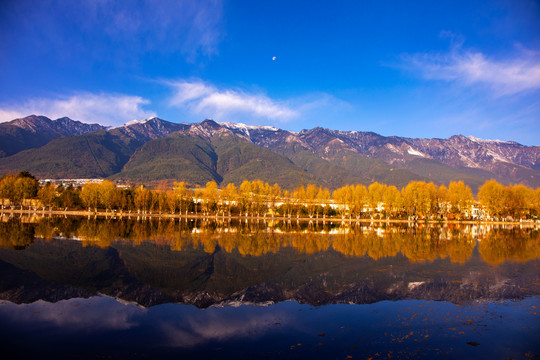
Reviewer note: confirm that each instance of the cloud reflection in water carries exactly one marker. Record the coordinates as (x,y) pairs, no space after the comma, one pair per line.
(171,325)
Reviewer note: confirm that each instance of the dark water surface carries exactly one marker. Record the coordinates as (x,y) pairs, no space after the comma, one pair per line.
(85,288)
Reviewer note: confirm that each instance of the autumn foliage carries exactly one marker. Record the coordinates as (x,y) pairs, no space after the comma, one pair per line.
(419,200)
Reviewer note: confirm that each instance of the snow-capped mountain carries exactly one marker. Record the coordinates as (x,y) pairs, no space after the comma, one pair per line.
(148,129)
(457,151)
(324,156)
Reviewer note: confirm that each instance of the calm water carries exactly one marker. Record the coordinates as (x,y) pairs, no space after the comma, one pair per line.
(86,288)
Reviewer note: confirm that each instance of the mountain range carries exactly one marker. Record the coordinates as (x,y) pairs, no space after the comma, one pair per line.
(146,151)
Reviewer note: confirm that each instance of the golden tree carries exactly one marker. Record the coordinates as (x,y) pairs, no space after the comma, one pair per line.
(90,195)
(107,194)
(245,196)
(210,196)
(392,200)
(358,198)
(376,194)
(491,196)
(47,194)
(460,197)
(229,195)
(181,194)
(521,201)
(7,188)
(323,197)
(143,199)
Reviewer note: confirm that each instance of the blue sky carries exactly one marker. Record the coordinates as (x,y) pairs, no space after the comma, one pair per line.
(416,69)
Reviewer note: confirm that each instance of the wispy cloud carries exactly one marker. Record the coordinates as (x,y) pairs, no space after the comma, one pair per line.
(207,100)
(165,26)
(508,76)
(106,29)
(103,108)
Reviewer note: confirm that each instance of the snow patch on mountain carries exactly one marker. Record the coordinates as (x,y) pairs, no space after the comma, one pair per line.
(246,128)
(412,151)
(489,141)
(143,121)
(496,156)
(467,161)
(392,148)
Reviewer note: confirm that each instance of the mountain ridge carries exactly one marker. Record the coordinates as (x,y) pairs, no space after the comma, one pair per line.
(327,157)
(35,131)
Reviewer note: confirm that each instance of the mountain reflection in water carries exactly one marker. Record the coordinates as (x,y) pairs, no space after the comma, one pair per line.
(210,263)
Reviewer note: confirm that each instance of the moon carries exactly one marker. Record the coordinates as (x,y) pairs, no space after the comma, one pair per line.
(273,58)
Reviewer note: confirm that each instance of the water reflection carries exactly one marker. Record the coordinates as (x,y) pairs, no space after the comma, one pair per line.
(418,243)
(102,327)
(175,326)
(124,287)
(75,315)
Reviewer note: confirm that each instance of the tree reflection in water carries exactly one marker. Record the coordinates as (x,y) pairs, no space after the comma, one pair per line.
(112,268)
(417,243)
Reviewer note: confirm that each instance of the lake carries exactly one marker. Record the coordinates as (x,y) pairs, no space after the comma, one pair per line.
(176,288)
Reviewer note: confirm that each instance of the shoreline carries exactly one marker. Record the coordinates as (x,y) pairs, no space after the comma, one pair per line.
(129,215)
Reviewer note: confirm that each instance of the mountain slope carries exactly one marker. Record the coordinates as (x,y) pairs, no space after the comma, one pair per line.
(229,152)
(35,131)
(98,154)
(480,159)
(336,165)
(207,152)
(469,159)
(242,160)
(148,129)
(180,157)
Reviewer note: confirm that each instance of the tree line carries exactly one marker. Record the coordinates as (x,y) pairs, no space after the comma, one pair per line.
(257,198)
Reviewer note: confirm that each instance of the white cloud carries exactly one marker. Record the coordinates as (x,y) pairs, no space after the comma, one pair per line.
(503,77)
(103,108)
(7,115)
(209,101)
